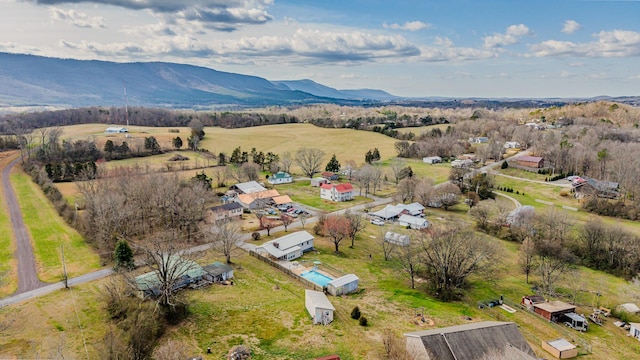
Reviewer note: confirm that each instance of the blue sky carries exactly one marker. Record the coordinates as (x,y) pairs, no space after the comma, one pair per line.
(460,48)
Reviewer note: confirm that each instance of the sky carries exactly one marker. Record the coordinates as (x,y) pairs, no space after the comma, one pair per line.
(420,48)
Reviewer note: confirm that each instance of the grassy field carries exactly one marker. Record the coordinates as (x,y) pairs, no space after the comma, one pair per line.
(8,265)
(422,129)
(265,310)
(49,232)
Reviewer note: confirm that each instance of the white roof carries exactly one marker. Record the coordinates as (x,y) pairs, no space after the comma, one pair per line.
(393,236)
(561,344)
(319,299)
(250,187)
(286,244)
(630,307)
(413,220)
(416,206)
(349,278)
(388,212)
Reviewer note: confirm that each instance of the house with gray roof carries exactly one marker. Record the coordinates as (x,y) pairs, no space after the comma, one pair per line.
(470,342)
(183,273)
(217,272)
(288,247)
(343,285)
(248,187)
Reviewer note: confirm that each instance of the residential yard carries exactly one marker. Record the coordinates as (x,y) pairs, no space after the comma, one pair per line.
(49,232)
(265,310)
(303,193)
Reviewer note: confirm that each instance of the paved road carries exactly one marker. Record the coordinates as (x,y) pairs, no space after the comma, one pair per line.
(27,273)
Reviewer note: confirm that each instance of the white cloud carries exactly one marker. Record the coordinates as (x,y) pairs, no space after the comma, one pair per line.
(510,37)
(615,43)
(308,46)
(577,64)
(571,26)
(76,18)
(636,77)
(447,51)
(408,26)
(565,74)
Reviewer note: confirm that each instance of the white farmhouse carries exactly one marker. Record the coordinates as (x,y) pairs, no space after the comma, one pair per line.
(337,192)
(280,177)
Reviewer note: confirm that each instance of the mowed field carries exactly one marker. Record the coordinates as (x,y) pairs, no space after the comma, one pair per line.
(49,232)
(8,264)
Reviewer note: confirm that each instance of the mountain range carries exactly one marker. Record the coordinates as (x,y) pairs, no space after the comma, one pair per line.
(29,80)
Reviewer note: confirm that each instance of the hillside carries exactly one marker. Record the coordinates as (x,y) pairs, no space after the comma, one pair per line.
(34,80)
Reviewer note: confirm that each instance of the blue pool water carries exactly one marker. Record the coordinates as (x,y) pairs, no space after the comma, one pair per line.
(316,277)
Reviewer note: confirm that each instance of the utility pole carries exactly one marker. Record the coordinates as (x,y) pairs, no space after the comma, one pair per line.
(65,278)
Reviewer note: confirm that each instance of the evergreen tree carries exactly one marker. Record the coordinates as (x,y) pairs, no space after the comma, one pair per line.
(355,313)
(376,155)
(333,165)
(151,144)
(222,159)
(123,255)
(236,156)
(177,142)
(368,157)
(109,147)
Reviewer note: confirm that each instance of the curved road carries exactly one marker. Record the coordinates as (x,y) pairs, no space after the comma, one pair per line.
(27,273)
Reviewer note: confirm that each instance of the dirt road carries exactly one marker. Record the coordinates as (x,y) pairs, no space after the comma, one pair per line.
(27,274)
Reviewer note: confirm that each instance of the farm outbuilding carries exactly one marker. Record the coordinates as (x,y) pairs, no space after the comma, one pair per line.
(413,222)
(560,348)
(317,181)
(634,330)
(319,307)
(217,272)
(396,239)
(553,310)
(470,341)
(432,160)
(343,285)
(630,308)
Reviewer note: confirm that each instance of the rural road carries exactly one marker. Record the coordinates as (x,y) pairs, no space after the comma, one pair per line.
(27,273)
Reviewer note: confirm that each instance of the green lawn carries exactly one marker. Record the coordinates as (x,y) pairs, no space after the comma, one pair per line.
(49,232)
(304,193)
(8,276)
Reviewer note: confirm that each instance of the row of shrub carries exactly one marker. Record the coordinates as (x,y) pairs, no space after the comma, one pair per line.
(357,315)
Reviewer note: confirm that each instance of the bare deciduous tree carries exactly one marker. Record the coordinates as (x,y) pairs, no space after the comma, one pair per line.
(224,237)
(397,164)
(309,160)
(526,257)
(173,350)
(409,258)
(286,220)
(357,223)
(450,254)
(446,195)
(286,160)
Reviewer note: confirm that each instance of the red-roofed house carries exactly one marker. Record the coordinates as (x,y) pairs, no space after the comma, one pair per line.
(337,192)
(530,161)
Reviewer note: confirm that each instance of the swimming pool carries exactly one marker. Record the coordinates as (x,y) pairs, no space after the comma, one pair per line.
(316,277)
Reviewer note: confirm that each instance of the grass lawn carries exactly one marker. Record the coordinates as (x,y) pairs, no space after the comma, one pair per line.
(49,232)
(304,193)
(521,173)
(438,172)
(265,310)
(8,265)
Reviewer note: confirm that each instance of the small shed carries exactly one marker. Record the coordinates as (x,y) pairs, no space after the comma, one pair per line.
(319,307)
(432,160)
(343,285)
(553,310)
(217,272)
(560,348)
(634,330)
(396,239)
(316,182)
(631,308)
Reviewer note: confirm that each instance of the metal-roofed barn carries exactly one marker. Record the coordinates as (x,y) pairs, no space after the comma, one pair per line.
(217,272)
(469,342)
(560,348)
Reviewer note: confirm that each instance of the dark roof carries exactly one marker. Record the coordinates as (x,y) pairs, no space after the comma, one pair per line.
(227,206)
(527,158)
(217,268)
(472,341)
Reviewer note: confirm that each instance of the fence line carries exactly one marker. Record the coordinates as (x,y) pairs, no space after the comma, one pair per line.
(307,283)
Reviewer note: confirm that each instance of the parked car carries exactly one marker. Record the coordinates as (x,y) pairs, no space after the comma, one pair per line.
(377,222)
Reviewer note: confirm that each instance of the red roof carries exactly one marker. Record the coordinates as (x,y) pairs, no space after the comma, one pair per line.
(527,158)
(341,188)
